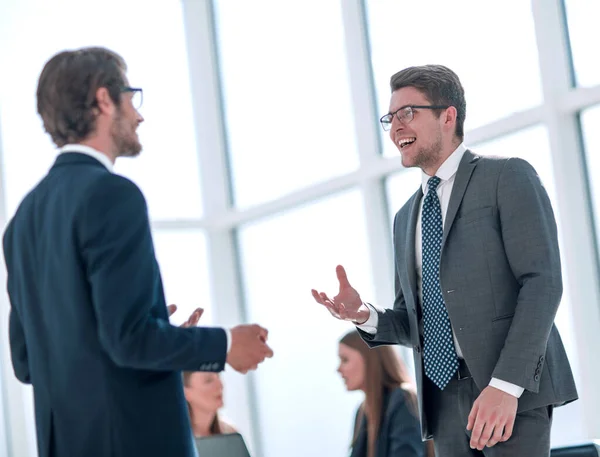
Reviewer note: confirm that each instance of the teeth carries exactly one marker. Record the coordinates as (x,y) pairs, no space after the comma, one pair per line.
(404,141)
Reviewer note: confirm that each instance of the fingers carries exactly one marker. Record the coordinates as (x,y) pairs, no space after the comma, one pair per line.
(317,296)
(486,435)
(496,437)
(171,309)
(268,352)
(472,416)
(508,429)
(193,319)
(342,277)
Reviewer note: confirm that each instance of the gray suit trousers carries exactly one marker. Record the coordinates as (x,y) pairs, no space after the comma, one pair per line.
(448,413)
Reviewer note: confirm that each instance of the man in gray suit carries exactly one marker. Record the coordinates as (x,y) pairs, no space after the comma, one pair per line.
(478,282)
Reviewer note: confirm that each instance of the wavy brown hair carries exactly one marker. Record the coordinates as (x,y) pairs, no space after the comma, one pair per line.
(66,92)
(384,372)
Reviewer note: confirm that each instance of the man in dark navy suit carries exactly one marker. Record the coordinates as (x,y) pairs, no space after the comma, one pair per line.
(89,327)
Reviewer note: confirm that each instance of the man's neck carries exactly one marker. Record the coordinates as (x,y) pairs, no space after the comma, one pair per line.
(102,147)
(447,151)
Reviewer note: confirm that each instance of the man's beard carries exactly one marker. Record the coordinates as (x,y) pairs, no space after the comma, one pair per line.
(429,155)
(124,137)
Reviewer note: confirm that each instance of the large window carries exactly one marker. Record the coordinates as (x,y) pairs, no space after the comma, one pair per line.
(590,119)
(483,52)
(167,170)
(283,258)
(287,101)
(181,255)
(582,16)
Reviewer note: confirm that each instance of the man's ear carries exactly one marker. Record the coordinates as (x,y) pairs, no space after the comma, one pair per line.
(104,103)
(449,117)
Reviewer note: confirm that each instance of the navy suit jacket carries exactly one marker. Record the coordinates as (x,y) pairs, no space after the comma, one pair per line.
(88,323)
(399,430)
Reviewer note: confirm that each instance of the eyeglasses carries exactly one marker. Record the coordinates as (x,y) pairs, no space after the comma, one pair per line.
(137,97)
(405,114)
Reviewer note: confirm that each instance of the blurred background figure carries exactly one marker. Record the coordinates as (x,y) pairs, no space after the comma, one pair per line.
(204,395)
(387,422)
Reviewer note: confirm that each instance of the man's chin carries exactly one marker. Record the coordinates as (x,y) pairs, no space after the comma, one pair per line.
(131,152)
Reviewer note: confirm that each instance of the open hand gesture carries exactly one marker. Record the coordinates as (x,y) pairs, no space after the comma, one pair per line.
(347,304)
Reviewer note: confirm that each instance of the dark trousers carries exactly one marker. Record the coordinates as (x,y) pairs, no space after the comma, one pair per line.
(447,415)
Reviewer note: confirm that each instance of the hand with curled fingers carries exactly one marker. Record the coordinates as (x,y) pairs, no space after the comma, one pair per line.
(492,418)
(248,347)
(347,304)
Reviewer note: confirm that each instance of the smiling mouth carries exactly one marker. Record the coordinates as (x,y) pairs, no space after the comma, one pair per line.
(405,142)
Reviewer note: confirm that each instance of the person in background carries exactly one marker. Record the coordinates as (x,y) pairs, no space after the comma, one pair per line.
(387,423)
(204,396)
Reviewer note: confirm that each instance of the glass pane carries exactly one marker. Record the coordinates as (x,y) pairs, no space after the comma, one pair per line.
(182,259)
(582,19)
(482,52)
(282,259)
(400,187)
(532,145)
(590,119)
(167,170)
(287,97)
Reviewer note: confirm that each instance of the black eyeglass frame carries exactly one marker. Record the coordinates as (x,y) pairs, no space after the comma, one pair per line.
(386,119)
(135,90)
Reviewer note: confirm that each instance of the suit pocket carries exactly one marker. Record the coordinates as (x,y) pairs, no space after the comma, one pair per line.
(475,214)
(505,316)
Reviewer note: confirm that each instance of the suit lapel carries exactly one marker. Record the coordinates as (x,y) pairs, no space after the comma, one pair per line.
(411,267)
(463,175)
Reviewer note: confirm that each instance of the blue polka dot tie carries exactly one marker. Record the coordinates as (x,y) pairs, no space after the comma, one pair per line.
(439,354)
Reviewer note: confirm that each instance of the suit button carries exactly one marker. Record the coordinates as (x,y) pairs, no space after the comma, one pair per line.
(412,310)
(541,358)
(537,371)
(540,365)
(418,349)
(536,377)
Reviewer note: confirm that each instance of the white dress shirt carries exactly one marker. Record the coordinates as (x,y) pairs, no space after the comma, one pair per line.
(105,160)
(447,174)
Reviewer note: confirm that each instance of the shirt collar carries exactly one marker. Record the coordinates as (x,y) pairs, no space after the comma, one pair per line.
(448,168)
(82,149)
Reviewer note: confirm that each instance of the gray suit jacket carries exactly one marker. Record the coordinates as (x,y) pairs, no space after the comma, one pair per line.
(501,281)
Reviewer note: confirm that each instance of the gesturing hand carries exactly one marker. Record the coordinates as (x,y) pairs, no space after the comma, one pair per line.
(347,304)
(492,418)
(192,320)
(248,347)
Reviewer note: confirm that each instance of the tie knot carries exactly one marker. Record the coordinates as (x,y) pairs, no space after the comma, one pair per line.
(433,183)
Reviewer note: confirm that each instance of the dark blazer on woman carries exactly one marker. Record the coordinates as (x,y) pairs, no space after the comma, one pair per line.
(399,431)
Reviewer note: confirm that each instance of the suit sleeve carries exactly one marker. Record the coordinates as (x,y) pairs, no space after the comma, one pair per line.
(118,255)
(392,324)
(18,348)
(531,245)
(16,334)
(404,430)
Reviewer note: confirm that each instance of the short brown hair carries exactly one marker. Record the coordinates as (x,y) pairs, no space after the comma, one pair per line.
(66,93)
(439,84)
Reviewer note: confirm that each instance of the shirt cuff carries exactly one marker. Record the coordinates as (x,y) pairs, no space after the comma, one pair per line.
(228,337)
(370,325)
(507,387)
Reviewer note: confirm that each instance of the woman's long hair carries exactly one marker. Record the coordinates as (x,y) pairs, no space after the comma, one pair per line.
(215,425)
(384,372)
